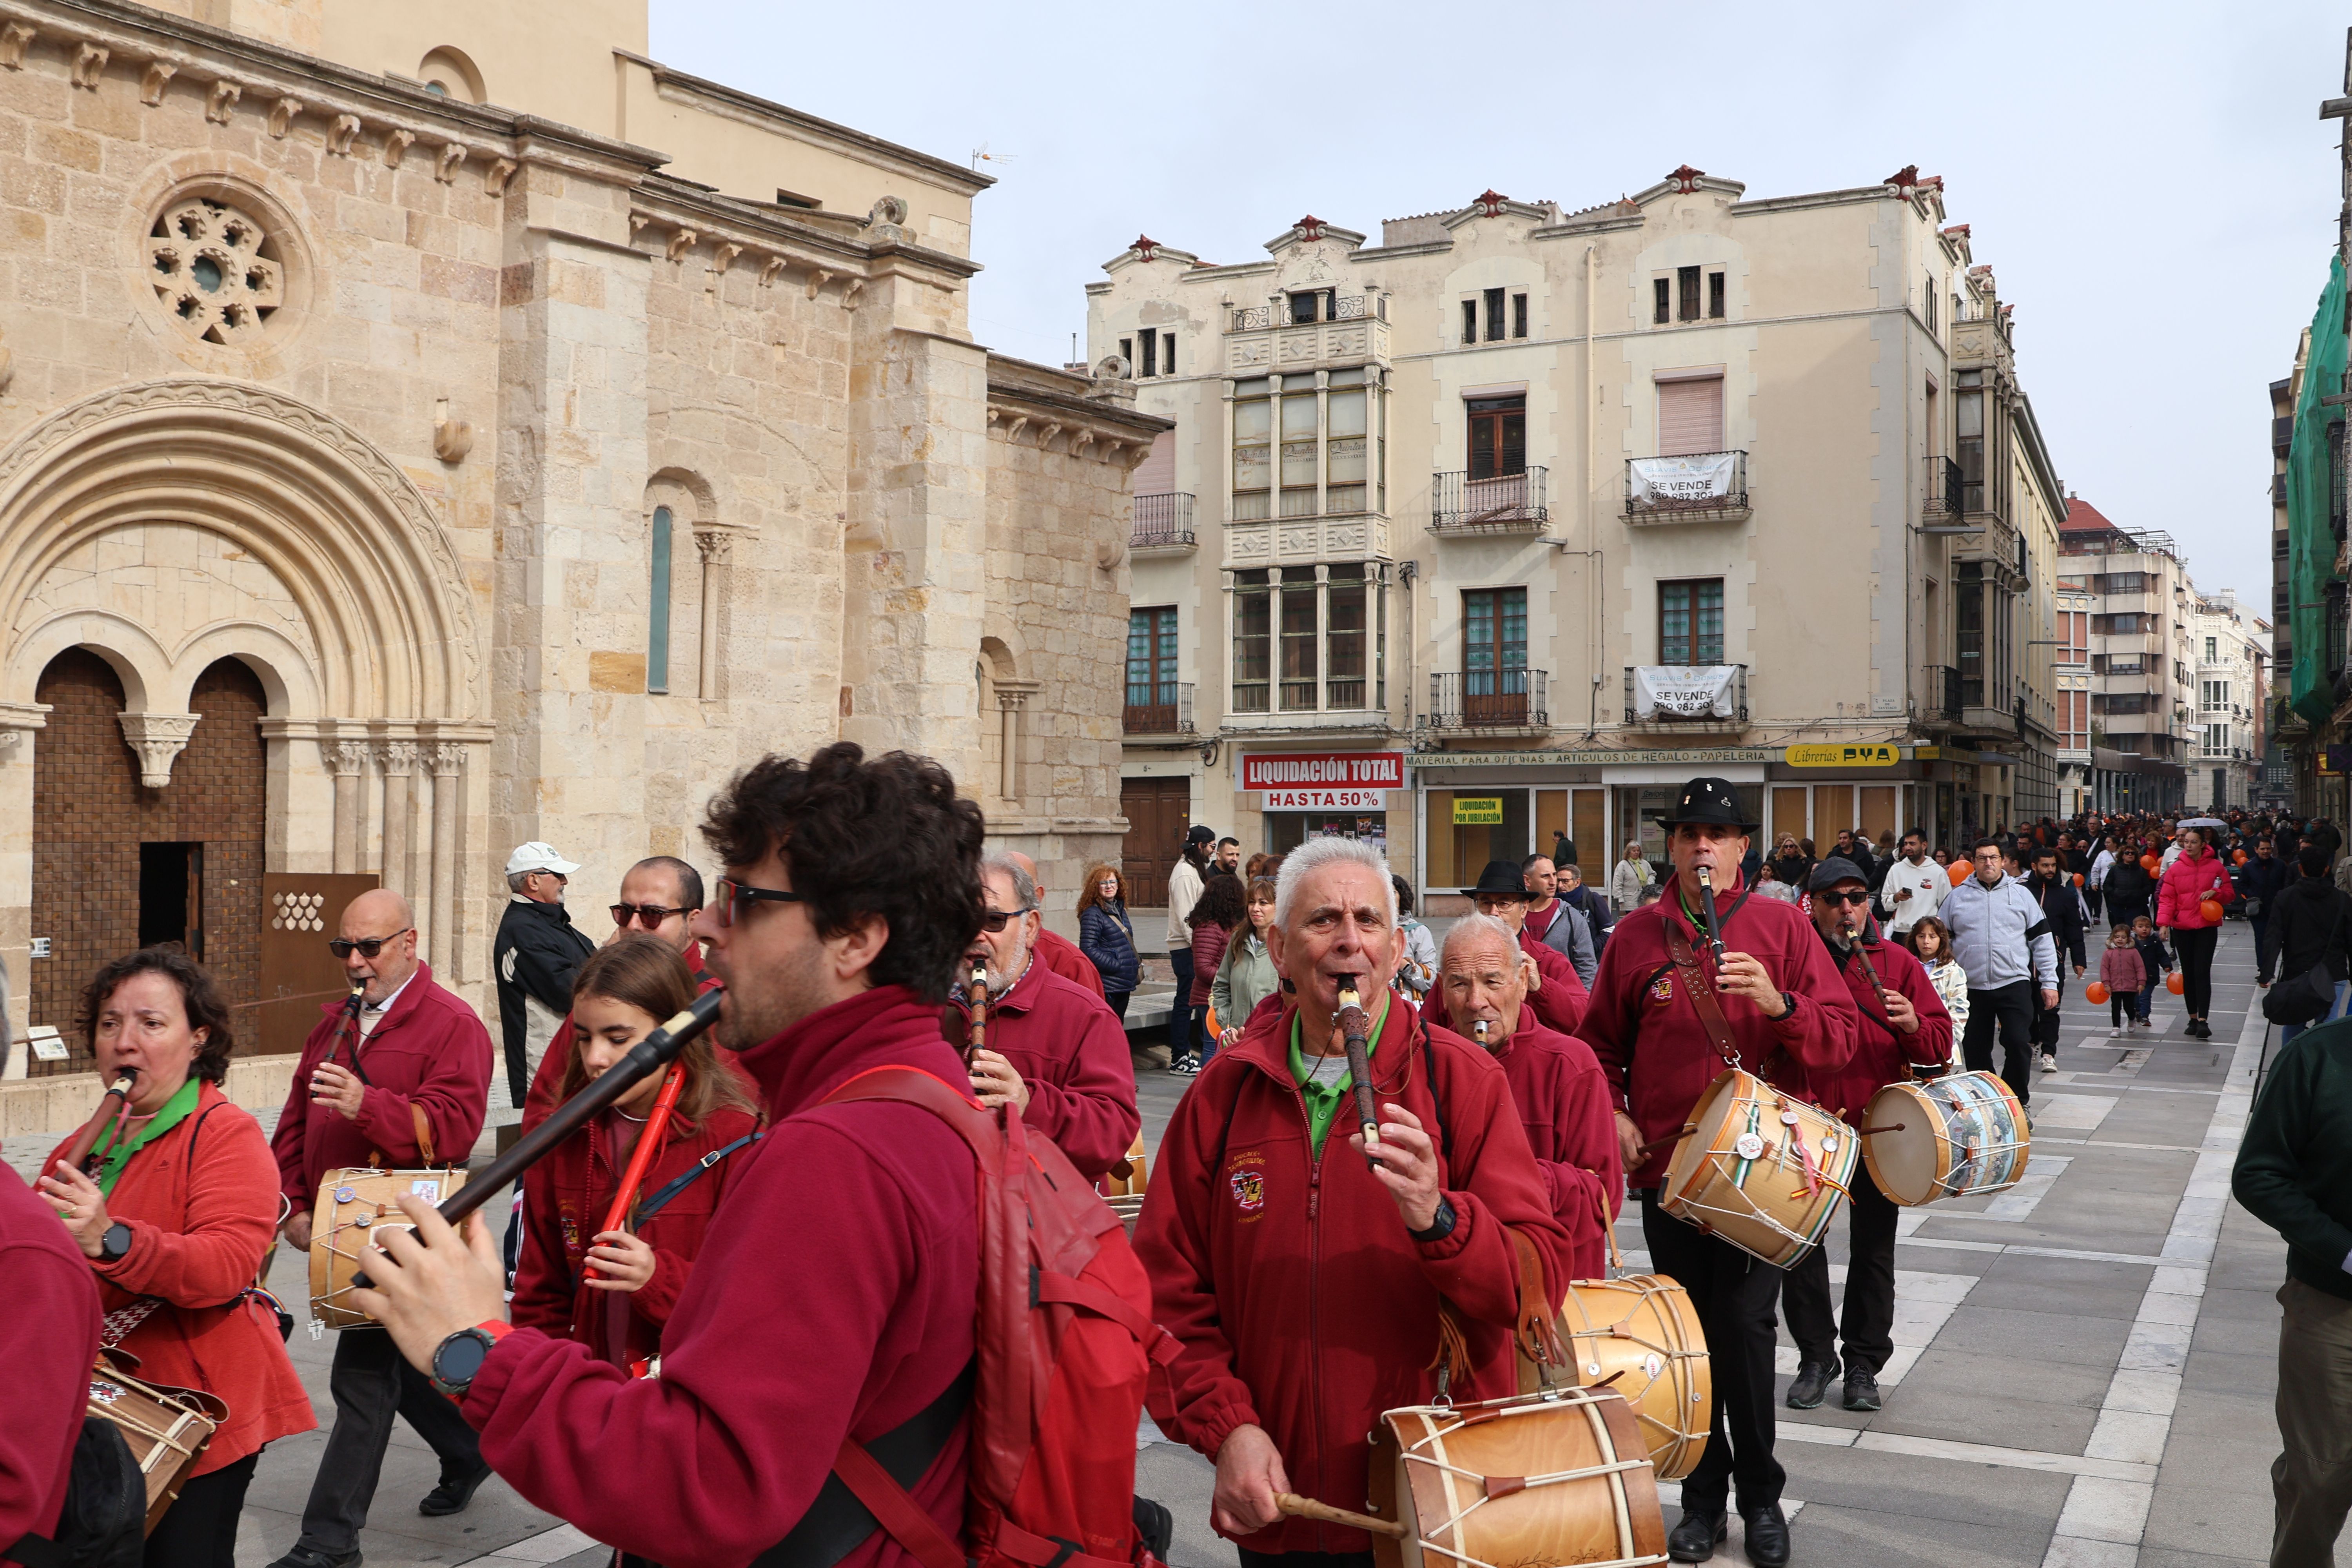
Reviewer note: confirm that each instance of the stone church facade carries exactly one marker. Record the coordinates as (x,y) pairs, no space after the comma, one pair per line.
(406,451)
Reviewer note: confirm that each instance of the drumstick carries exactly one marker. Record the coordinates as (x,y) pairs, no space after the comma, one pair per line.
(1298,1507)
(1657,1144)
(1869,1132)
(1354,1026)
(649,1141)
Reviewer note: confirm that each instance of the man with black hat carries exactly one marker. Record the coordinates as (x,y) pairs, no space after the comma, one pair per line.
(1905,1029)
(1667,1015)
(1558,997)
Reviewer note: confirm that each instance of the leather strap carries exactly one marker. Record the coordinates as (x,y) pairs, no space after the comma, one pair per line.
(845,1513)
(424,1126)
(1703,1000)
(893,1509)
(1539,1338)
(702,1168)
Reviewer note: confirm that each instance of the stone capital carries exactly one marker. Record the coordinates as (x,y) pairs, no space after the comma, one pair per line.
(717,544)
(397,758)
(444,758)
(159,739)
(345,757)
(1012,696)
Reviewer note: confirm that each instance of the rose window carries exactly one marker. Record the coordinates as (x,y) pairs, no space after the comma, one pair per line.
(216,272)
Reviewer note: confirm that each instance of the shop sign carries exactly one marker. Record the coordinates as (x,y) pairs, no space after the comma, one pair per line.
(1325,800)
(1357,771)
(1835,756)
(1592,758)
(1478,811)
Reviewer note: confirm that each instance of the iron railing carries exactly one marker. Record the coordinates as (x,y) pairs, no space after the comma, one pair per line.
(1159,708)
(1940,504)
(1489,698)
(1731,506)
(1941,692)
(1347,307)
(1506,503)
(1252,318)
(1163,521)
(1739,694)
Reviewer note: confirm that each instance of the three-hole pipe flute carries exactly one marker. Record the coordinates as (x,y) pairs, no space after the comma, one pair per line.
(650,1055)
(113,1106)
(1706,912)
(975,1012)
(1355,1031)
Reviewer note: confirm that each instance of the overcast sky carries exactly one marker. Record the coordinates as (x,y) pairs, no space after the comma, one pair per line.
(2150,183)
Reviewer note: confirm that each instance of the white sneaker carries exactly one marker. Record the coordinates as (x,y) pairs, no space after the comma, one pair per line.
(2049,1061)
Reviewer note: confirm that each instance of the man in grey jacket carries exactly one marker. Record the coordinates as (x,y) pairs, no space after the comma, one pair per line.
(2002,942)
(1557,923)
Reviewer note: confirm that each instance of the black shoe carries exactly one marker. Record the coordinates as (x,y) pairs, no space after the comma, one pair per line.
(452,1496)
(311,1557)
(1861,1390)
(1696,1537)
(1768,1535)
(1807,1389)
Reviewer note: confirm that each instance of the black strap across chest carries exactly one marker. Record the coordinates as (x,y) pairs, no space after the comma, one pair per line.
(836,1523)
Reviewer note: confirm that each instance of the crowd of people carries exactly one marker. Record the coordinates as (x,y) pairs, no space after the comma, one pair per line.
(739,1284)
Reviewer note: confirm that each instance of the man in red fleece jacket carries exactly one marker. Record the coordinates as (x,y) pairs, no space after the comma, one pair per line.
(835,1295)
(1785,1013)
(1563,1099)
(1052,1049)
(1302,1286)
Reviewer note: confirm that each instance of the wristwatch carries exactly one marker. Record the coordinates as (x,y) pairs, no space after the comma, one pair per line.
(1788,1005)
(1440,1227)
(458,1359)
(115,1245)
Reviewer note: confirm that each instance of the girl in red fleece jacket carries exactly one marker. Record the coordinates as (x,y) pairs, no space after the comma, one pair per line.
(612,1290)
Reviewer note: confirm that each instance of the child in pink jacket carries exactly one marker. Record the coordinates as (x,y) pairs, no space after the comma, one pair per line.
(2125,975)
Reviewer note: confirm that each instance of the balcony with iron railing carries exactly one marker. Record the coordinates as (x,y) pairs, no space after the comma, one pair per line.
(1488,699)
(1307,330)
(1663,720)
(1696,487)
(1163,523)
(1942,501)
(1939,694)
(1159,708)
(1504,503)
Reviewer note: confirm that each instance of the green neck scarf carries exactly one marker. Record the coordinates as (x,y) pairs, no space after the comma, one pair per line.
(175,1110)
(1323,1097)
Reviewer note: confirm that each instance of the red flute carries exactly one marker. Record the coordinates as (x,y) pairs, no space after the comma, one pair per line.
(649,1141)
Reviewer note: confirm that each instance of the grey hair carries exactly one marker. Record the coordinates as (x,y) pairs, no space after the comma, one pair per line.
(515,881)
(1312,857)
(1483,926)
(1024,886)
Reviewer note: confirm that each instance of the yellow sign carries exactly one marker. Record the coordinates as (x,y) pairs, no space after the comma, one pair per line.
(1478,811)
(1825,756)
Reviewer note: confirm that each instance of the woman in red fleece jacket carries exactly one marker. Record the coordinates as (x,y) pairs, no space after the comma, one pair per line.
(614,1290)
(176,1211)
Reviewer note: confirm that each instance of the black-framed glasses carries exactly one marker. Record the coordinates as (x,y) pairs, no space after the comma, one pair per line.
(993,921)
(369,946)
(1833,897)
(650,915)
(734,895)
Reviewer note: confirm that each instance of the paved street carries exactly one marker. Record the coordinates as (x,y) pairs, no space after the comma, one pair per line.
(2083,1378)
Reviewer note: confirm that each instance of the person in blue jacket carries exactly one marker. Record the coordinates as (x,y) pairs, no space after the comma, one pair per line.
(1107,936)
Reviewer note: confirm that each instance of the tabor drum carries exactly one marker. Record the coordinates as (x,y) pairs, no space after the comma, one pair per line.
(1760,1168)
(1642,1336)
(1122,1185)
(166,1428)
(354,1204)
(1951,1137)
(1537,1479)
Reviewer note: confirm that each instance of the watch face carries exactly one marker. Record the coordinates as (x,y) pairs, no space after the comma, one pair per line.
(116,1243)
(460,1357)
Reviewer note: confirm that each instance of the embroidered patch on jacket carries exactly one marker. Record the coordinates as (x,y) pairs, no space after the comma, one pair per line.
(1249,1190)
(1662,989)
(571,1234)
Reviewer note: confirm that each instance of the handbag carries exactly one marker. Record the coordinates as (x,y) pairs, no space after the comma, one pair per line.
(2311,995)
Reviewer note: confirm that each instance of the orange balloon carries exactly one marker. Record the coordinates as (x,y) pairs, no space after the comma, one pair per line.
(2174,983)
(2213,911)
(2078,878)
(2149,862)
(2094,992)
(1213,1030)
(2239,859)
(1961,869)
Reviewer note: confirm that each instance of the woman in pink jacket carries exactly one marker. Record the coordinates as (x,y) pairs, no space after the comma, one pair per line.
(2195,876)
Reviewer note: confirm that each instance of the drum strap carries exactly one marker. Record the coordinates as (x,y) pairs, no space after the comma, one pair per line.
(837,1523)
(1704,1001)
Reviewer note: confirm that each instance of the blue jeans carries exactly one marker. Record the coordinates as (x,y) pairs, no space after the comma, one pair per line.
(1187,1024)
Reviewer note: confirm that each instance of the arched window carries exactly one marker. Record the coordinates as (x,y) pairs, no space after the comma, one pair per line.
(658,623)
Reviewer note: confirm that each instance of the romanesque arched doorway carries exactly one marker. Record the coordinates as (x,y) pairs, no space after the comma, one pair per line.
(117,865)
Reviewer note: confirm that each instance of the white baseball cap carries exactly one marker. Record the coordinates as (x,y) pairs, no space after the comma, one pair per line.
(537,857)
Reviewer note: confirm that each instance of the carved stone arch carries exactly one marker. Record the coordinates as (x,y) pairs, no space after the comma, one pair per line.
(692,502)
(374,583)
(999,653)
(139,661)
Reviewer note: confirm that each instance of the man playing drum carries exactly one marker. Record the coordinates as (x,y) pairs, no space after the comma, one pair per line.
(1778,1010)
(408,1088)
(1556,1084)
(1304,1289)
(1905,1029)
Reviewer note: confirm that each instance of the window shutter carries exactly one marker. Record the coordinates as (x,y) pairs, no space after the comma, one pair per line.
(1156,475)
(1690,417)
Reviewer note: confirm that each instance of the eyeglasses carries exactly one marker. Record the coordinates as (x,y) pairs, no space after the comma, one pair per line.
(734,895)
(993,921)
(557,875)
(1834,896)
(650,915)
(369,946)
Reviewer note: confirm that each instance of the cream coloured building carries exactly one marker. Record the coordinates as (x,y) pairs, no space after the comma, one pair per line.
(1496,529)
(429,427)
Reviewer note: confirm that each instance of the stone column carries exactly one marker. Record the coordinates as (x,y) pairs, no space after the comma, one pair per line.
(159,739)
(347,761)
(447,760)
(398,760)
(716,546)
(1012,696)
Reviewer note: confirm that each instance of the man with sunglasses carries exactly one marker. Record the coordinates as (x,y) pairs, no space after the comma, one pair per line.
(537,952)
(1054,1049)
(405,1086)
(1906,1031)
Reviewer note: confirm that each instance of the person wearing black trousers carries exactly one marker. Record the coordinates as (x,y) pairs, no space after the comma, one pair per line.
(2054,892)
(2261,880)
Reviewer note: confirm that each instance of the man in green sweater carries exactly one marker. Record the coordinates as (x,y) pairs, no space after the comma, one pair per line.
(2295,1175)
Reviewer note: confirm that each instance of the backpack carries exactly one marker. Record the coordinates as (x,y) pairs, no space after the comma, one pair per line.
(1065,1342)
(103,1524)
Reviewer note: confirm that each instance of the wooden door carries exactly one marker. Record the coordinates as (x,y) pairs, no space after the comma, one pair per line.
(1157,811)
(300,914)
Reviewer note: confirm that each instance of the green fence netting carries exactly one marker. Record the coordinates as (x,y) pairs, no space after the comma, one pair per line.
(2312,485)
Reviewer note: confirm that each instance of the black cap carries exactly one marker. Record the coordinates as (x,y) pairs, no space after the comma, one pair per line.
(1501,878)
(1835,869)
(1709,801)
(1200,835)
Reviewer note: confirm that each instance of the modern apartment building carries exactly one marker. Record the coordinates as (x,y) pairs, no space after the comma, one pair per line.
(2142,676)
(1494,530)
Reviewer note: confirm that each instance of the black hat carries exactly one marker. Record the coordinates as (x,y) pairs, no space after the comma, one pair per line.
(1501,878)
(1709,801)
(1835,869)
(1200,835)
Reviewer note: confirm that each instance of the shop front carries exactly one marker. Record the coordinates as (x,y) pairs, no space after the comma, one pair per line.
(1322,795)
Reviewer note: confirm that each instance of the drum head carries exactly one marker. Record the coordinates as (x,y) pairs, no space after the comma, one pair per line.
(1907,1164)
(1708,1115)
